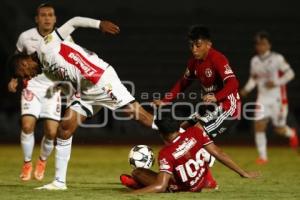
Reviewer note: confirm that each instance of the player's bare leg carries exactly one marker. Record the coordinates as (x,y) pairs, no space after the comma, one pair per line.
(137,112)
(66,129)
(47,145)
(261,140)
(28,123)
(290,133)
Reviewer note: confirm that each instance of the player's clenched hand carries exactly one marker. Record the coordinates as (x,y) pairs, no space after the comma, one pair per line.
(12,85)
(109,27)
(251,175)
(209,98)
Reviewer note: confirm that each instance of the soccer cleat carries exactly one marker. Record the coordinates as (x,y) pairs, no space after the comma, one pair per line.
(294,141)
(53,186)
(26,171)
(40,170)
(129,182)
(261,161)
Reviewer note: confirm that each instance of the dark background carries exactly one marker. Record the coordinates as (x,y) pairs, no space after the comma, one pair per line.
(152,50)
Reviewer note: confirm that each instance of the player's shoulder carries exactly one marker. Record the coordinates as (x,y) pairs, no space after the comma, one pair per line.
(30,33)
(276,55)
(254,59)
(216,56)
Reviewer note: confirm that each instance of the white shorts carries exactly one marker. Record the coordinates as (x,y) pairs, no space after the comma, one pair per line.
(109,92)
(34,102)
(274,110)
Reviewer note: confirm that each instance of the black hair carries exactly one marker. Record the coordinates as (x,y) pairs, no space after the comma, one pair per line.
(199,32)
(262,35)
(13,63)
(43,5)
(166,124)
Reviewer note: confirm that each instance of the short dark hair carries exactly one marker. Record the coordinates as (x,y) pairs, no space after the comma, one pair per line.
(166,123)
(13,63)
(199,32)
(44,5)
(262,35)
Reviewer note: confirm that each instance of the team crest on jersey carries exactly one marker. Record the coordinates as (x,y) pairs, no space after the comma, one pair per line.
(163,164)
(208,72)
(108,89)
(28,95)
(228,69)
(187,72)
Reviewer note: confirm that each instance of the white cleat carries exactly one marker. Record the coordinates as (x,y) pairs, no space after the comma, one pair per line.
(53,186)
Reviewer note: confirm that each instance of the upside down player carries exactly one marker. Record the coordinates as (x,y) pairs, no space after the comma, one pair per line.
(270,73)
(219,85)
(95,81)
(182,166)
(34,103)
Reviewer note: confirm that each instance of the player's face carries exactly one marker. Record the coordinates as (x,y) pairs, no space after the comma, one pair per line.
(28,68)
(200,48)
(46,19)
(262,46)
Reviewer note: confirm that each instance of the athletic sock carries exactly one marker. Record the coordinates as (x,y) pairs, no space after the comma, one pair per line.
(63,153)
(261,144)
(27,143)
(47,146)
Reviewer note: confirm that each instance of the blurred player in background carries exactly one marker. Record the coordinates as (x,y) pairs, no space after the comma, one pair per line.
(182,166)
(270,73)
(96,82)
(219,85)
(34,103)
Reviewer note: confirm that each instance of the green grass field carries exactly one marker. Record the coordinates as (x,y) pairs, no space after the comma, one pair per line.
(94,174)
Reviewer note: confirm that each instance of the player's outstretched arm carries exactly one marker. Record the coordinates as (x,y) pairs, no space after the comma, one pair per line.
(250,85)
(160,185)
(83,22)
(227,161)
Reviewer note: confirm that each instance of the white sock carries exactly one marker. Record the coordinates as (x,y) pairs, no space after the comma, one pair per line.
(63,153)
(47,146)
(288,132)
(154,126)
(27,143)
(261,144)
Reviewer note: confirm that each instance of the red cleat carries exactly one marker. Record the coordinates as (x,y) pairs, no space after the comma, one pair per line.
(294,142)
(129,182)
(261,161)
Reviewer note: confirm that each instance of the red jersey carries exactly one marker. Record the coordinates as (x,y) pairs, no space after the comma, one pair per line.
(215,76)
(184,159)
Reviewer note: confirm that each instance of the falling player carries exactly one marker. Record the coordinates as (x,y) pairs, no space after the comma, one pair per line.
(270,73)
(95,81)
(34,103)
(182,166)
(219,85)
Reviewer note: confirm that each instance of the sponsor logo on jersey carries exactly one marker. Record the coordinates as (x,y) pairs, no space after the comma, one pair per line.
(210,89)
(208,72)
(228,70)
(87,69)
(184,147)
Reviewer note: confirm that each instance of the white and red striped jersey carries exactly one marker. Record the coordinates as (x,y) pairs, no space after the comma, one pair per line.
(269,67)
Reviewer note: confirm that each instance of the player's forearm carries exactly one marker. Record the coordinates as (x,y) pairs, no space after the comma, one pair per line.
(180,86)
(287,77)
(250,85)
(230,86)
(77,22)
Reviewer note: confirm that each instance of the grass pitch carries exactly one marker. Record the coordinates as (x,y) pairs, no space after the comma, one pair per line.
(94,174)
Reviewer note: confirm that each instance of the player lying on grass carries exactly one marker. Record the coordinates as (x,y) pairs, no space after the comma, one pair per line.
(96,83)
(182,166)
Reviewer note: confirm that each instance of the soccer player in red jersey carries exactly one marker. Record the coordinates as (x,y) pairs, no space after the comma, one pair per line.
(219,85)
(182,164)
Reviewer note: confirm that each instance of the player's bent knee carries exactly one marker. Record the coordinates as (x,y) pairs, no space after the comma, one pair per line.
(27,128)
(65,131)
(138,172)
(279,130)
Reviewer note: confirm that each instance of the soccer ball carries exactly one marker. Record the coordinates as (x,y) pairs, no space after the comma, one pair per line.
(141,156)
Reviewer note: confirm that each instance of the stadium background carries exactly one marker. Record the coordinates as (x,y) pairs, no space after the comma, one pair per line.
(152,51)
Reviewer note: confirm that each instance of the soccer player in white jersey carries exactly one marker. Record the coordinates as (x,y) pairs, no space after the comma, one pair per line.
(270,73)
(96,82)
(34,103)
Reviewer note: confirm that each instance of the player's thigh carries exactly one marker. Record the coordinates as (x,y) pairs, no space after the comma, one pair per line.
(69,123)
(144,176)
(28,123)
(50,128)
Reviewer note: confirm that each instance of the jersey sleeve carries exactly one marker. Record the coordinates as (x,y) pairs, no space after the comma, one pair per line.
(20,44)
(287,74)
(182,83)
(76,22)
(229,79)
(201,136)
(165,162)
